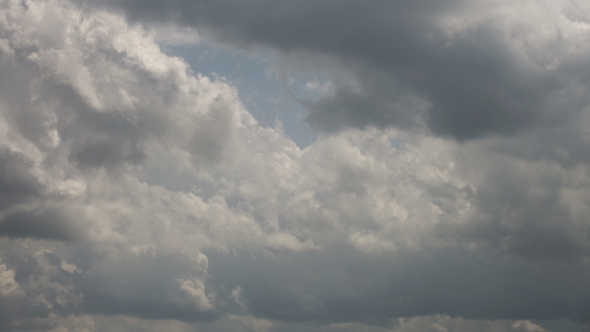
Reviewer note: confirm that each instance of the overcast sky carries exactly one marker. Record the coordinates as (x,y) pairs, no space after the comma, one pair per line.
(295,165)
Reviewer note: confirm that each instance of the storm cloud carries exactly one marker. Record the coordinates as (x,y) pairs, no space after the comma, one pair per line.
(478,68)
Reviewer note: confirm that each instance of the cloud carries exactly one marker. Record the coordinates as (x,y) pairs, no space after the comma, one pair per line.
(17,183)
(45,224)
(137,194)
(22,193)
(465,69)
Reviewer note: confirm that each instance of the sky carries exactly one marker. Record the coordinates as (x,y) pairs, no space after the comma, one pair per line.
(295,165)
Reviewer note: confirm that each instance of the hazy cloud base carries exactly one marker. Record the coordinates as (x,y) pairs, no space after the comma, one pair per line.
(448,190)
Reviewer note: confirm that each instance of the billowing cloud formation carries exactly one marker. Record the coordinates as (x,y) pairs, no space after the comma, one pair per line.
(464,68)
(138,195)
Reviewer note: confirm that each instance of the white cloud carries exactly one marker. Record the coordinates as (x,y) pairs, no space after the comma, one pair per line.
(7,283)
(195,290)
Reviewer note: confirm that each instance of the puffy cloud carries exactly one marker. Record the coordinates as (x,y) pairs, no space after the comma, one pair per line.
(466,69)
(138,195)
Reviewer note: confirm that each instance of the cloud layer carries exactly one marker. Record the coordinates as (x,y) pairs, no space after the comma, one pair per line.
(465,69)
(448,190)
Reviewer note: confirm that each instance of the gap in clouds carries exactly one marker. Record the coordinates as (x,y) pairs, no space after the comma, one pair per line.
(257,77)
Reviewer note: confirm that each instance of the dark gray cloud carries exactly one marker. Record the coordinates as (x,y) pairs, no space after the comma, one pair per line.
(49,223)
(20,194)
(17,184)
(143,286)
(521,211)
(40,288)
(341,285)
(475,82)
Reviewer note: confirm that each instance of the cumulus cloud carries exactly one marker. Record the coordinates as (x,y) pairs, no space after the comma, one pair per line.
(451,193)
(465,69)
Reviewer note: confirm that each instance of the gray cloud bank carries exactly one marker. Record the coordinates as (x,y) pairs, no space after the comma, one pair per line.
(476,68)
(450,195)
